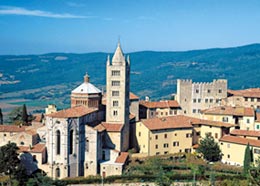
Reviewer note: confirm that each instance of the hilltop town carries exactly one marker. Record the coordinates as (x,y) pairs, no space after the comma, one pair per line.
(94,135)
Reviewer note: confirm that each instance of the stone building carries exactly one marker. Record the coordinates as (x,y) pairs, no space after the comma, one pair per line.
(194,97)
(246,98)
(164,108)
(242,117)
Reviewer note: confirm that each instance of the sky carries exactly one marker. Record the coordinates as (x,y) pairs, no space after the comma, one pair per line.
(82,26)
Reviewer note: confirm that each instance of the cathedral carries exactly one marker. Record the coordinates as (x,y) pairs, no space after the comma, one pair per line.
(92,137)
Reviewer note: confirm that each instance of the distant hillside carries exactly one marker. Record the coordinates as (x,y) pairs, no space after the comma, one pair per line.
(152,73)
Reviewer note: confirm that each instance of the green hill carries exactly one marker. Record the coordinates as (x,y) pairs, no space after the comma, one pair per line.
(152,73)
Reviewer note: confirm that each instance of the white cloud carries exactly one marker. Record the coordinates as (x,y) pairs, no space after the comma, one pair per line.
(4,10)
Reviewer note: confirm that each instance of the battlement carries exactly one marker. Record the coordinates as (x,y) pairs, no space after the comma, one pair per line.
(189,82)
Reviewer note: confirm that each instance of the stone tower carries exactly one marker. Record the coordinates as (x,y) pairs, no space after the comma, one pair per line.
(117,91)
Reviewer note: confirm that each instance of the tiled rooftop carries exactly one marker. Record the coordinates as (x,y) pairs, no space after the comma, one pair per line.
(245,133)
(73,112)
(160,104)
(240,140)
(228,110)
(251,93)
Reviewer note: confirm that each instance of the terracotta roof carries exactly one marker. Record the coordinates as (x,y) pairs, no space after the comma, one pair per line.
(133,96)
(122,157)
(73,112)
(252,133)
(131,116)
(111,127)
(38,117)
(12,128)
(195,146)
(240,140)
(228,110)
(170,122)
(180,121)
(211,123)
(100,128)
(38,148)
(160,104)
(31,132)
(252,92)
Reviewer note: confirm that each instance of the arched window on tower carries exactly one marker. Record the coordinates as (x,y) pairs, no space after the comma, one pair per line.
(71,142)
(57,172)
(58,146)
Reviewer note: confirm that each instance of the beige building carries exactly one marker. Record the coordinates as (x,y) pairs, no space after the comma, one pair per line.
(233,149)
(149,109)
(194,97)
(242,117)
(157,136)
(246,98)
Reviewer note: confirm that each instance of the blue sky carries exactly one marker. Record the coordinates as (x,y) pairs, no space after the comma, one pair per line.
(80,26)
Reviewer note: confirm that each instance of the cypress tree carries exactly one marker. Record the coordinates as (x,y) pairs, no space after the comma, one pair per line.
(247,159)
(24,114)
(1,117)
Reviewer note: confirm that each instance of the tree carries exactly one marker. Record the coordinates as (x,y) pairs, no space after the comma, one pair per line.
(210,149)
(10,163)
(247,160)
(1,117)
(24,115)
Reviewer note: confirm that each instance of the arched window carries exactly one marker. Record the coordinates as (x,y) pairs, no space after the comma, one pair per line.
(71,142)
(58,146)
(57,172)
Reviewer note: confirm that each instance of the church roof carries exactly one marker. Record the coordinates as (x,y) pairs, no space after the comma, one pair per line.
(111,127)
(118,55)
(73,112)
(86,88)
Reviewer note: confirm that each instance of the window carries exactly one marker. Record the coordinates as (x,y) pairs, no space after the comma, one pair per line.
(219,91)
(225,119)
(258,99)
(115,72)
(157,153)
(57,172)
(115,103)
(228,156)
(58,146)
(228,145)
(139,134)
(247,120)
(170,112)
(257,126)
(115,93)
(115,113)
(187,150)
(194,100)
(188,135)
(175,143)
(165,135)
(211,100)
(206,100)
(21,143)
(166,152)
(156,136)
(175,112)
(198,133)
(216,135)
(199,100)
(198,110)
(197,90)
(115,83)
(208,90)
(87,145)
(193,110)
(246,99)
(257,151)
(156,146)
(71,142)
(166,145)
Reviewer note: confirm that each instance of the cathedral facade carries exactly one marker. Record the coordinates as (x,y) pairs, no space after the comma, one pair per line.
(92,138)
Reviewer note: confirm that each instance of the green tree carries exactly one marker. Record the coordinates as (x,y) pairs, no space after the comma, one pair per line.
(210,149)
(247,160)
(24,115)
(1,117)
(10,163)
